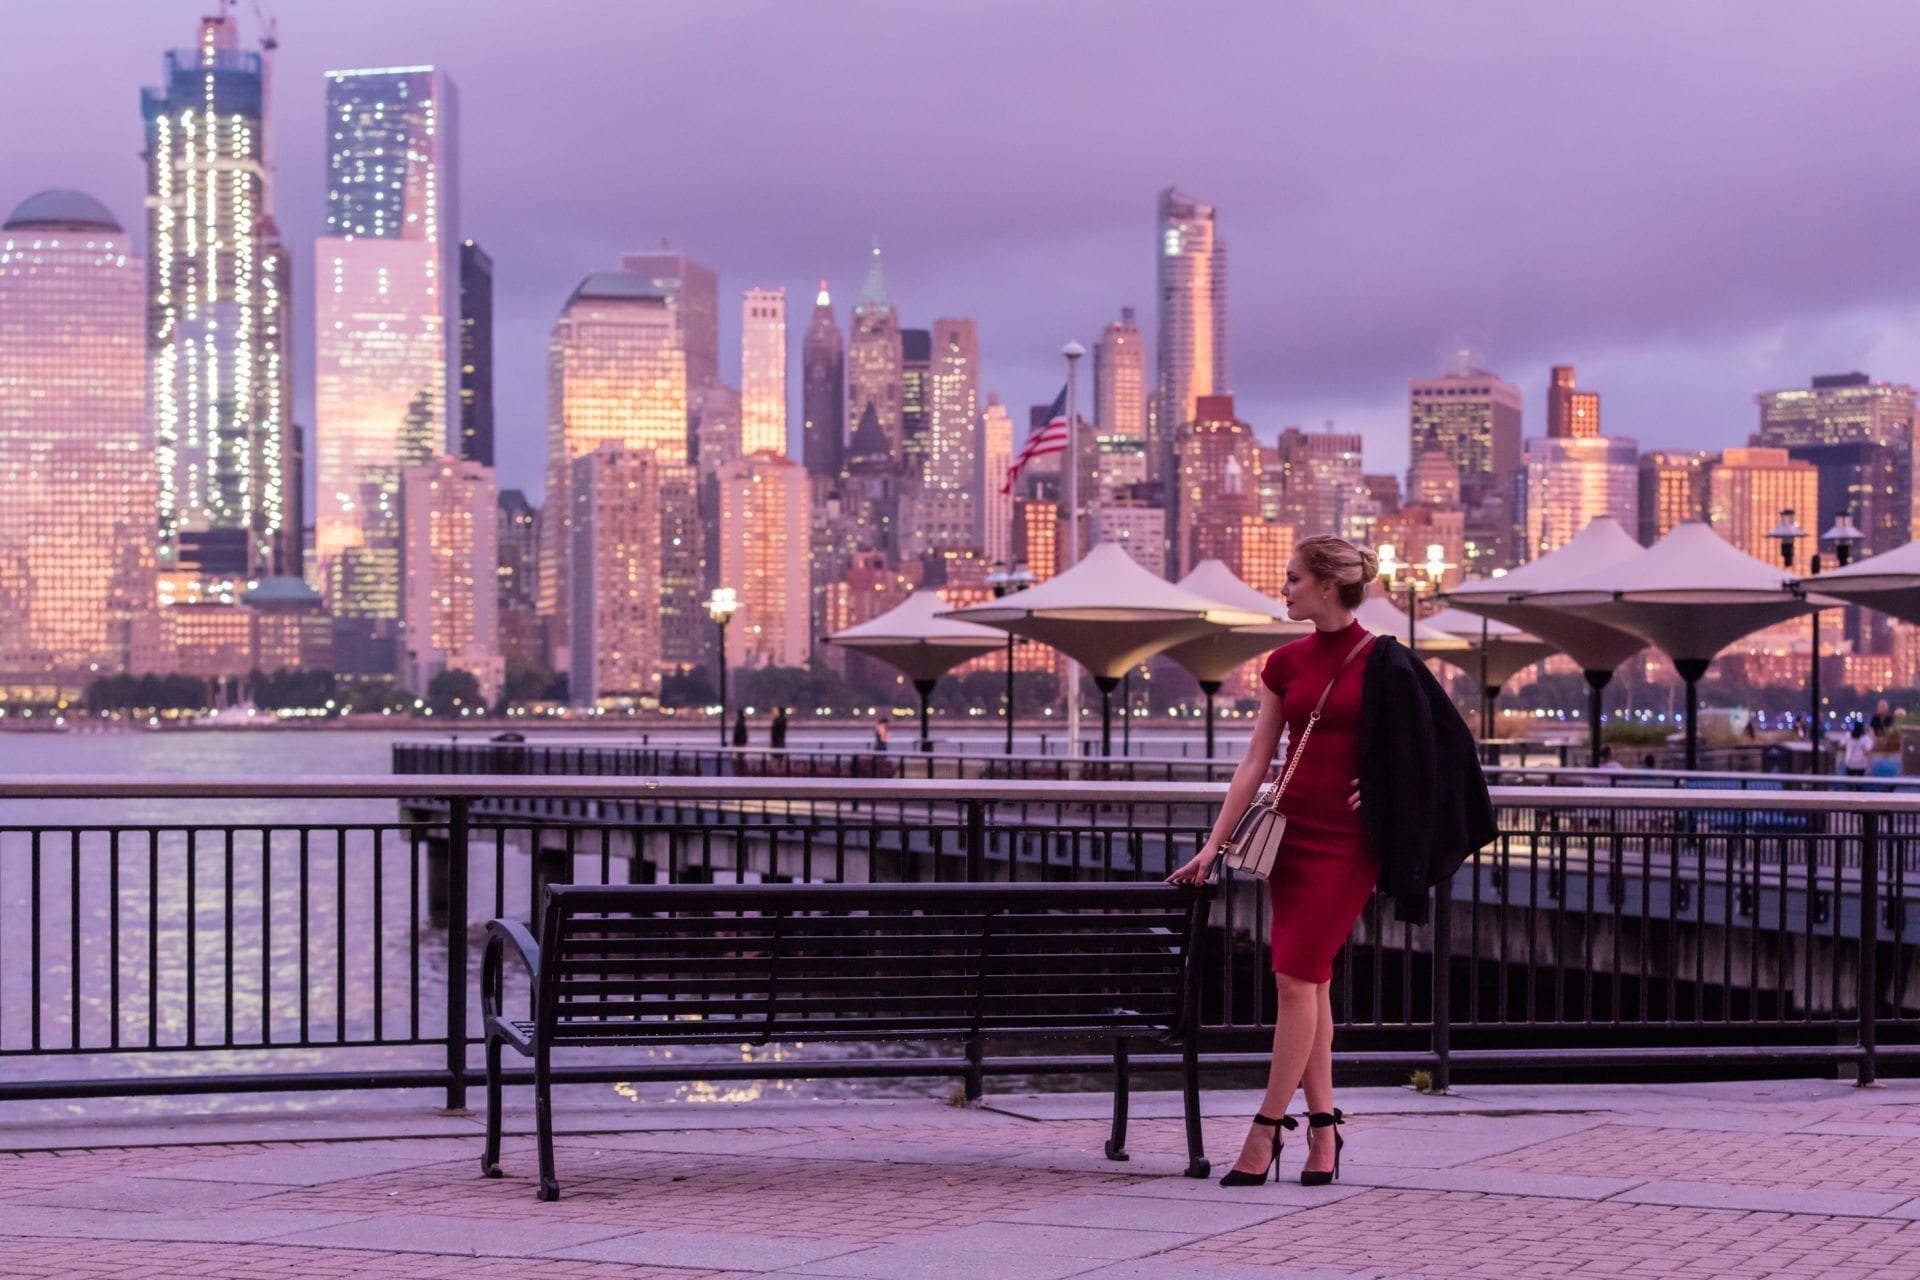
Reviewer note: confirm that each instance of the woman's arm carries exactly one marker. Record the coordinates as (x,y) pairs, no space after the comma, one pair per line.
(1253,770)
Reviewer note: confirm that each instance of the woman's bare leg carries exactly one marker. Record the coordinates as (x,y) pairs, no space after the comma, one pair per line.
(1318,1082)
(1294,1027)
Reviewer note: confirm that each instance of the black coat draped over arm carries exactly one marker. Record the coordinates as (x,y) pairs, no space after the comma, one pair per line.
(1422,794)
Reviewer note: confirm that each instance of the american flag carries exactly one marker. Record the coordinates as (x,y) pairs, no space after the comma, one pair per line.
(1051,438)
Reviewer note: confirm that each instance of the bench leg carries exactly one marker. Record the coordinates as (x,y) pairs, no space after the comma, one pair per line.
(1117,1140)
(975,1081)
(543,1120)
(1197,1166)
(490,1159)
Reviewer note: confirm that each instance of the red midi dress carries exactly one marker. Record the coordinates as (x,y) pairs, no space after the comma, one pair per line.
(1327,867)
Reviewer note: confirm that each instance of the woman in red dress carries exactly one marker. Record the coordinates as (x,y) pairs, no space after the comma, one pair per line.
(1327,868)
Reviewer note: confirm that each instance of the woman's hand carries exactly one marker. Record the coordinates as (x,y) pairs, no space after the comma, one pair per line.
(1353,801)
(1195,869)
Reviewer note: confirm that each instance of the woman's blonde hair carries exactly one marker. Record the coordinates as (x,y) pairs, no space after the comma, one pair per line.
(1347,567)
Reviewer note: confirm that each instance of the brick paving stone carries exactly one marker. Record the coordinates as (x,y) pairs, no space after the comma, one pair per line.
(1413,1231)
(38,1259)
(1810,1161)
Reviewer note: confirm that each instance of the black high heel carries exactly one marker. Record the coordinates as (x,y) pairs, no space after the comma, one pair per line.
(1235,1178)
(1325,1120)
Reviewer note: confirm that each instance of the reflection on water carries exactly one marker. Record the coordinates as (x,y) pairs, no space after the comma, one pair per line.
(163,926)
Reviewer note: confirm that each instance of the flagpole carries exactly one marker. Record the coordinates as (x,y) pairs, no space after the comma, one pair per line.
(1073,351)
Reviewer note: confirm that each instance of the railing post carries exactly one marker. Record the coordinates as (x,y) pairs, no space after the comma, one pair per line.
(457,831)
(1442,986)
(1869,995)
(976,842)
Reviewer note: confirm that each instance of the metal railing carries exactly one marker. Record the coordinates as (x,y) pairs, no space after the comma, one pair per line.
(174,936)
(487,758)
(643,760)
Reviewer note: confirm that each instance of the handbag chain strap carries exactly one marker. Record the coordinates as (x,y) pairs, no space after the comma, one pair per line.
(1294,753)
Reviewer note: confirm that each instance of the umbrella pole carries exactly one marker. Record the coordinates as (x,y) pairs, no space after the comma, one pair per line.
(1486,693)
(1596,681)
(1126,712)
(1209,687)
(1009,693)
(1107,685)
(925,689)
(1691,669)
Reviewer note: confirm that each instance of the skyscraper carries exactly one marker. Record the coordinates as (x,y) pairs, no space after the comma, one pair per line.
(1191,351)
(1673,490)
(996,508)
(1322,480)
(1747,489)
(1120,379)
(916,370)
(1571,414)
(218,341)
(763,371)
(1218,463)
(386,336)
(717,431)
(76,459)
(763,557)
(952,459)
(451,572)
(1433,480)
(1475,419)
(692,293)
(1571,481)
(614,535)
(616,371)
(823,393)
(875,360)
(1876,482)
(476,353)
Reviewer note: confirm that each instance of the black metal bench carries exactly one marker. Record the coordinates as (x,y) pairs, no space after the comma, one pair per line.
(700,964)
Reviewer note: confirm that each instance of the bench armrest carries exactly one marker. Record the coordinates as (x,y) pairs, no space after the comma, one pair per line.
(503,935)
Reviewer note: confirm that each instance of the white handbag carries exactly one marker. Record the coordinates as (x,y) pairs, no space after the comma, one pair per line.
(1254,845)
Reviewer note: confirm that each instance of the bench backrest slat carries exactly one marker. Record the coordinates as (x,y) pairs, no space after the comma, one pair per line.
(759,962)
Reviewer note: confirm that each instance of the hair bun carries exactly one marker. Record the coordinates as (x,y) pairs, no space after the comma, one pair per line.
(1369,564)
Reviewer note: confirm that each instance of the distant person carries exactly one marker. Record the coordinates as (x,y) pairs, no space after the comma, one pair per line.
(1647,761)
(777,736)
(1882,719)
(880,731)
(1608,760)
(740,728)
(1859,756)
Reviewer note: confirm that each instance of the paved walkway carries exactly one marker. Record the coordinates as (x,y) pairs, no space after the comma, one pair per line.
(1800,1178)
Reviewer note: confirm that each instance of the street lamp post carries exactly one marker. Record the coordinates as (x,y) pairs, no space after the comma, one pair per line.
(1004,581)
(1073,351)
(1394,571)
(1788,534)
(1843,537)
(720,607)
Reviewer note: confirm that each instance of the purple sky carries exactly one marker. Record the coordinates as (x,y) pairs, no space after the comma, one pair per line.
(1691,202)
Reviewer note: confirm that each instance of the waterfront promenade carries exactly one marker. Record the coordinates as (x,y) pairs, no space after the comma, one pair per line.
(1741,1180)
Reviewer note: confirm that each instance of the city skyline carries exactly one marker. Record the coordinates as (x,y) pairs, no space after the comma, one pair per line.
(1337,300)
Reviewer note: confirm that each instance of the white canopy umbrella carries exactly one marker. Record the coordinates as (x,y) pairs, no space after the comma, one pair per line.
(1888,583)
(1378,615)
(1690,595)
(1211,658)
(917,639)
(1108,614)
(1496,652)
(1597,646)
